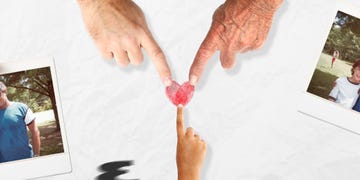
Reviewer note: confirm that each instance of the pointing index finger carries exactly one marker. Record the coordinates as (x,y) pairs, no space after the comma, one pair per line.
(206,50)
(158,58)
(180,121)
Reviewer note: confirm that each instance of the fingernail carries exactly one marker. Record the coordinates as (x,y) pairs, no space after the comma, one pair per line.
(193,80)
(180,105)
(167,81)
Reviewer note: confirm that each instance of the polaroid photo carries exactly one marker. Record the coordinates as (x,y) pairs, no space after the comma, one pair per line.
(332,93)
(32,132)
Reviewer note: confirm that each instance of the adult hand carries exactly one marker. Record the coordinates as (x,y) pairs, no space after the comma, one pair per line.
(238,26)
(119,30)
(190,152)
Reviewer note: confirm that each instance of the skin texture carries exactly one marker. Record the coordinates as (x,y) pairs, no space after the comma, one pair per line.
(119,30)
(238,26)
(191,150)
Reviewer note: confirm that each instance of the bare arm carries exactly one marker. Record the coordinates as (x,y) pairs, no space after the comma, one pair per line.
(35,133)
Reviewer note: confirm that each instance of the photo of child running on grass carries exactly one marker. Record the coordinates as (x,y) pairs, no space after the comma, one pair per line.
(340,83)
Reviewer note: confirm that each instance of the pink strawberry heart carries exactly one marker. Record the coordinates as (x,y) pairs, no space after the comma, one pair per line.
(180,94)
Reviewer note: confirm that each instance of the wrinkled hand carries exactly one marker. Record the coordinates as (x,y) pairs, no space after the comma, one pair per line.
(119,30)
(238,26)
(191,151)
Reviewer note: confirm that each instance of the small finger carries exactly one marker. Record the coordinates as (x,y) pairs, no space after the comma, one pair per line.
(227,59)
(180,121)
(158,58)
(206,50)
(121,58)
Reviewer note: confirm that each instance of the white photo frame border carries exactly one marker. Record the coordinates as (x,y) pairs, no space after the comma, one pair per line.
(323,109)
(48,165)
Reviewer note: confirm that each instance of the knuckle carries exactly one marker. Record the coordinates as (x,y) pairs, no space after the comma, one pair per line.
(157,53)
(243,43)
(204,52)
(258,44)
(189,130)
(256,47)
(178,123)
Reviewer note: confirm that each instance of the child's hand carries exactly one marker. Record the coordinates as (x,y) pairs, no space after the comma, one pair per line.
(191,150)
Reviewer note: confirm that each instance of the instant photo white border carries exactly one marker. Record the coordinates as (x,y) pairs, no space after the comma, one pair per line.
(52,164)
(323,109)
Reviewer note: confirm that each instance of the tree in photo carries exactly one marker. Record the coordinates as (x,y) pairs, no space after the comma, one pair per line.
(33,87)
(344,37)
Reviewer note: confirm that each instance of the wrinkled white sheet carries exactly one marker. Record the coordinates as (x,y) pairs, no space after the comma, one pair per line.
(247,116)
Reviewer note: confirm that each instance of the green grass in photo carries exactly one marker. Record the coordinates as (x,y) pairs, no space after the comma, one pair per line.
(324,76)
(50,138)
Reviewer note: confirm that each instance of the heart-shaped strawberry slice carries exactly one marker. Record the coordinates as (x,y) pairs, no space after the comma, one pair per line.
(180,94)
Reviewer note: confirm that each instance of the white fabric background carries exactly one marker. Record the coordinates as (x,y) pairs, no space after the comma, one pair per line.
(247,116)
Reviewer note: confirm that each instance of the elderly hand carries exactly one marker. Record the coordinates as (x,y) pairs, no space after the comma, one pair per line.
(119,30)
(238,26)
